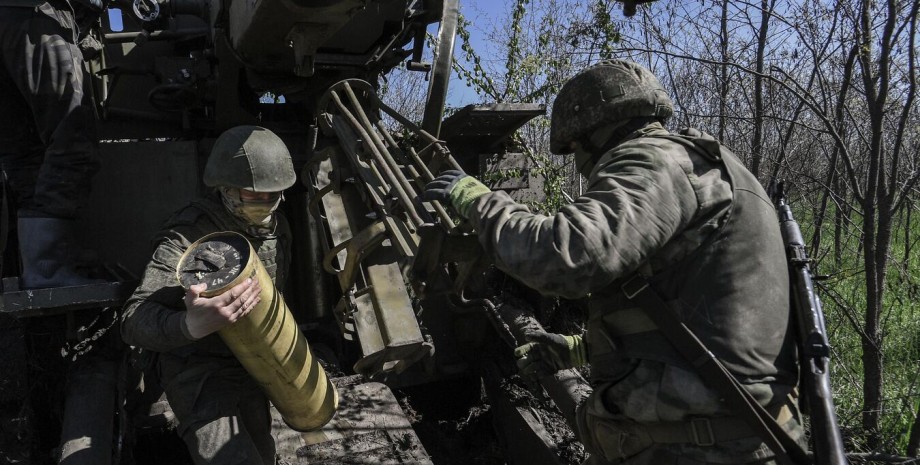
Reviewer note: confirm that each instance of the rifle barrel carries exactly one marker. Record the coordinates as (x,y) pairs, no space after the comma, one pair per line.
(814,357)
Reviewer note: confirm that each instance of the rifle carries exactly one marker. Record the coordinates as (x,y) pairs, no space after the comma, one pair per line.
(814,350)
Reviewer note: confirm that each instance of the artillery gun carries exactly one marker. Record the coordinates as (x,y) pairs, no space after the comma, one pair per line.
(391,287)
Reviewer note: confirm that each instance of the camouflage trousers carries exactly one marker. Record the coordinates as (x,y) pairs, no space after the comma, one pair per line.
(47,121)
(618,440)
(223,415)
(638,420)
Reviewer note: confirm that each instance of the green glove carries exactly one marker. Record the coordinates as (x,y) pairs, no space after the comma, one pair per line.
(547,353)
(457,187)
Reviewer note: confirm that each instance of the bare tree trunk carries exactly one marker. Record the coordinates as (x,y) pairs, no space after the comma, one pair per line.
(766,8)
(822,207)
(913,443)
(876,271)
(841,213)
(723,79)
(832,179)
(909,206)
(877,206)
(871,337)
(905,200)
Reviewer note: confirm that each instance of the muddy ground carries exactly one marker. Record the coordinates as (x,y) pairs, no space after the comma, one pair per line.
(462,431)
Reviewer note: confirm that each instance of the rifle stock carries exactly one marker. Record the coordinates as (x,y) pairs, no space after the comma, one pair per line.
(814,350)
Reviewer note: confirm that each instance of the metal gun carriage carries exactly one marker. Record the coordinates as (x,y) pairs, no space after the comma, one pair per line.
(376,270)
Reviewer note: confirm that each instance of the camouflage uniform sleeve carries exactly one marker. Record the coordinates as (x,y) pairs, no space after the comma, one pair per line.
(638,198)
(152,317)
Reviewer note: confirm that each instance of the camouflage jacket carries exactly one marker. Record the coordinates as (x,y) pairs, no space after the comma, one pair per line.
(636,210)
(649,206)
(152,317)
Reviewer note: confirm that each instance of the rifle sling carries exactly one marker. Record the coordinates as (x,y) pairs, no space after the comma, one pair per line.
(713,372)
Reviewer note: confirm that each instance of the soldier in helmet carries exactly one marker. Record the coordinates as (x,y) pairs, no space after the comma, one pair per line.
(223,415)
(680,211)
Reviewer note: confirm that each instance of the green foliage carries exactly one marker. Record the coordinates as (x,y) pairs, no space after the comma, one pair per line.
(538,59)
(844,299)
(554,183)
(500,175)
(553,188)
(605,27)
(476,77)
(513,65)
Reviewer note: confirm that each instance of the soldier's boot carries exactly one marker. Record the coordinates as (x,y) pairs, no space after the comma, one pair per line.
(49,254)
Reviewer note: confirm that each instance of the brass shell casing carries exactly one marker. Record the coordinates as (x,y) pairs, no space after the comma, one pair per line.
(267,341)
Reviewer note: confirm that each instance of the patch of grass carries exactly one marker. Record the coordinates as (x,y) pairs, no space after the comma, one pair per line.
(844,299)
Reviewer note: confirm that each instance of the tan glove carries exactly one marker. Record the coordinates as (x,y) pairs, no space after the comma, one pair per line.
(547,353)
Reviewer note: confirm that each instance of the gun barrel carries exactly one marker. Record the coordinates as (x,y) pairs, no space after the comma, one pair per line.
(814,358)
(792,234)
(827,440)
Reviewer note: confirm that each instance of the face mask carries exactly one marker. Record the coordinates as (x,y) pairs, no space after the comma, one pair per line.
(254,212)
(259,212)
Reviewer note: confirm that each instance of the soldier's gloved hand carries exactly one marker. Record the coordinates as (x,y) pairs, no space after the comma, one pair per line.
(547,353)
(206,315)
(457,187)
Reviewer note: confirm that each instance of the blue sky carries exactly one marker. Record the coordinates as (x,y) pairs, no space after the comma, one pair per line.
(481,13)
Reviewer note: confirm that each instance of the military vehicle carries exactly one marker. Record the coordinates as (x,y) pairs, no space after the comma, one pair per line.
(390,290)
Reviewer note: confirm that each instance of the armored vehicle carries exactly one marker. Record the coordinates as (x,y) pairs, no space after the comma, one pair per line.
(389,290)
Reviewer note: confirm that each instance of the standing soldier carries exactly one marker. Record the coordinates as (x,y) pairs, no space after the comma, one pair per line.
(223,414)
(682,212)
(47,132)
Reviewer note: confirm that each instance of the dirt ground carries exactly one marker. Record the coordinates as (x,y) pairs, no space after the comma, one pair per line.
(462,431)
(455,432)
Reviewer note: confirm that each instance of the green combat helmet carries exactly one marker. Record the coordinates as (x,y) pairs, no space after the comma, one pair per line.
(611,91)
(251,158)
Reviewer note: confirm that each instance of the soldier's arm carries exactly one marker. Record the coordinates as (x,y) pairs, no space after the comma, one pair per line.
(636,202)
(153,317)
